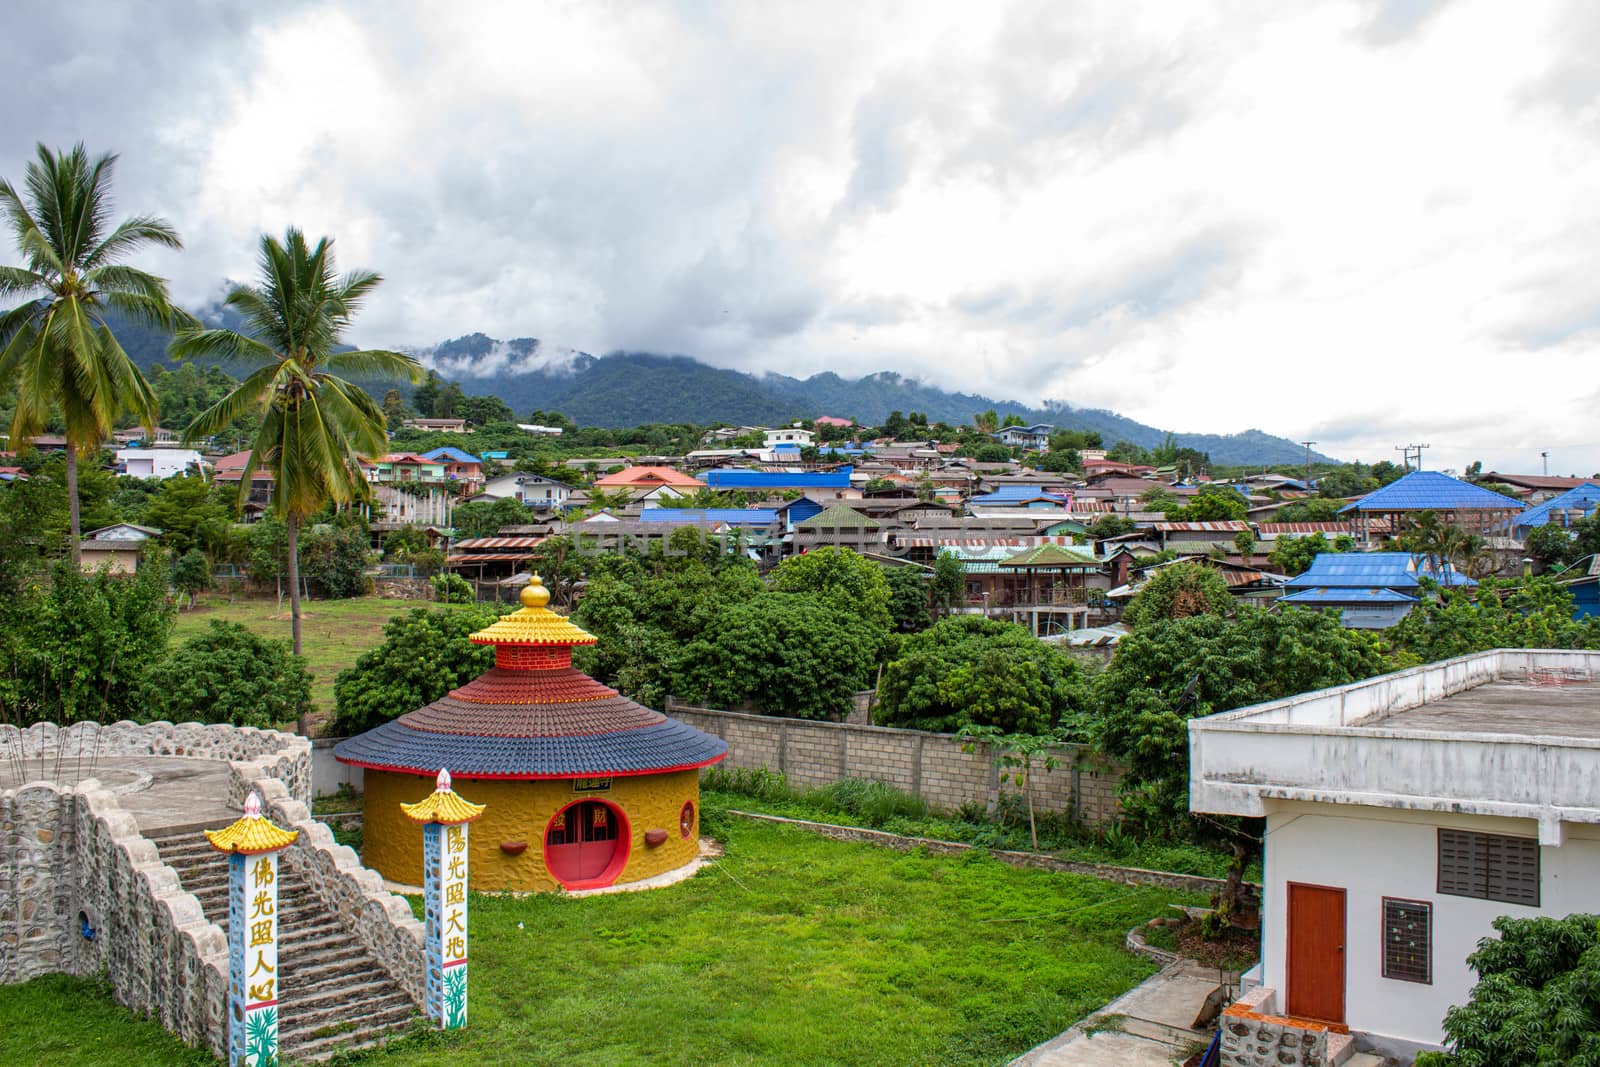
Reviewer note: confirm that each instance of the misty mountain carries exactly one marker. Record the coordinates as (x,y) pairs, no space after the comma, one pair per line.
(630,388)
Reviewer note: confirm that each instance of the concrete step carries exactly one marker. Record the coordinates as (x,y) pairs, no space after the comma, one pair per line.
(344,994)
(1176,1036)
(316,1049)
(378,1014)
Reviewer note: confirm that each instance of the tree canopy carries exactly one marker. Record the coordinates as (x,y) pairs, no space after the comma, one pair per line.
(1178,591)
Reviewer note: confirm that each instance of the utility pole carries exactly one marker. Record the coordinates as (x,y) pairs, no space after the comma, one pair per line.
(1412,452)
(1546,457)
(1308,445)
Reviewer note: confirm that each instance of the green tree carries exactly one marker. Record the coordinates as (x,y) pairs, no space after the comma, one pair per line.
(843,578)
(227,674)
(1551,545)
(908,598)
(484,518)
(334,558)
(1111,526)
(949,581)
(1537,1000)
(56,346)
(1059,461)
(971,671)
(424,655)
(1311,509)
(1170,671)
(78,645)
(395,409)
(316,427)
(191,573)
(1212,503)
(1294,555)
(1178,591)
(798,654)
(189,515)
(1517,613)
(1018,753)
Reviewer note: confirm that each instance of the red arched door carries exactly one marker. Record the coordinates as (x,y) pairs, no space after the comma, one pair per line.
(586,844)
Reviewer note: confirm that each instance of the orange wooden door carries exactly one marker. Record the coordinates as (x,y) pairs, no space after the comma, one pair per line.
(1316,953)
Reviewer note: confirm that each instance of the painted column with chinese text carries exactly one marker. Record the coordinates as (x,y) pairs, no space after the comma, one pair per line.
(444,816)
(252,844)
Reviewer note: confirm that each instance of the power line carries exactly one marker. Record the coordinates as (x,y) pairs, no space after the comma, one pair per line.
(1412,452)
(1308,445)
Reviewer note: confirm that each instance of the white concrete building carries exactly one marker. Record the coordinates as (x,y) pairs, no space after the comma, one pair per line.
(157,462)
(1403,814)
(788,435)
(534,490)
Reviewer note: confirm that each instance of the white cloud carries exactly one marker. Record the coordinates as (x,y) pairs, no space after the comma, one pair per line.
(1369,222)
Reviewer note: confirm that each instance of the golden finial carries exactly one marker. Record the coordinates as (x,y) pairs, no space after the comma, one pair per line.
(534,594)
(252,833)
(443,805)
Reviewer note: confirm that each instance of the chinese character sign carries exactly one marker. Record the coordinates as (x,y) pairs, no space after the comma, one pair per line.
(253,954)
(445,888)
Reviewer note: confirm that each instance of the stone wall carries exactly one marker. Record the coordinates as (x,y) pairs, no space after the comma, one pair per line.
(402,588)
(933,766)
(1254,1037)
(73,855)
(253,753)
(382,922)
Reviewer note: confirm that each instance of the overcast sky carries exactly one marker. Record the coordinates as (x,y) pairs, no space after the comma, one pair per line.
(1367,223)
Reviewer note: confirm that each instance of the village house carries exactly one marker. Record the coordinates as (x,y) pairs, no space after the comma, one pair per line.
(788,435)
(1564,509)
(530,490)
(157,462)
(1403,814)
(437,425)
(648,478)
(1469,508)
(118,547)
(1372,590)
(819,485)
(460,467)
(1035,437)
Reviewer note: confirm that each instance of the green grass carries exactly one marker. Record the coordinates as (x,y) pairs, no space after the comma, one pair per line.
(792,950)
(333,633)
(69,1021)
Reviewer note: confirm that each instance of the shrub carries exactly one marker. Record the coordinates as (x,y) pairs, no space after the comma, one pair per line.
(424,655)
(452,589)
(875,803)
(229,674)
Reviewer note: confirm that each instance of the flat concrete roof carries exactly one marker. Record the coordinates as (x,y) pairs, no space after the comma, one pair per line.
(1506,707)
(160,792)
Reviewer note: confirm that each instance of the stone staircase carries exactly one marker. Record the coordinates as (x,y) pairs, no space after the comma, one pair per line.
(333,996)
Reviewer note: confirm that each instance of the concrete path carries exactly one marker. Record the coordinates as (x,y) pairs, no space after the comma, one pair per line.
(1153,1031)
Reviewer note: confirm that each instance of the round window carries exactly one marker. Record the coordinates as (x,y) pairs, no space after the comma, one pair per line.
(686,819)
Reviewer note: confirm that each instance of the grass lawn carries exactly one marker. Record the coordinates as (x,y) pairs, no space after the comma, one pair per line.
(333,632)
(791,950)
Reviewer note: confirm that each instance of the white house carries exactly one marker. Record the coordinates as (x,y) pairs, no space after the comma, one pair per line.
(157,462)
(787,435)
(1036,436)
(1403,814)
(534,490)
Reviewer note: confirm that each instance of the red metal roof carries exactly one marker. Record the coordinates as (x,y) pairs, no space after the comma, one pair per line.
(486,543)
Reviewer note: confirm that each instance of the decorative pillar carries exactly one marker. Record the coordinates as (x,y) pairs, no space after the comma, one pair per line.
(444,817)
(252,844)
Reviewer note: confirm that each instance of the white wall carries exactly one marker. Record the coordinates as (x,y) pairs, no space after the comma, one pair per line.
(1377,852)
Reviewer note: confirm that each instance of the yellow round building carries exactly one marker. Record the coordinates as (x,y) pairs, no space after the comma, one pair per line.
(583,788)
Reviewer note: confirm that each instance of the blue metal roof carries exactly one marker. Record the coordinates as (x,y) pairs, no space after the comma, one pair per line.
(1019,494)
(1325,596)
(454,455)
(732,478)
(1373,570)
(1579,498)
(661,746)
(734,516)
(1432,491)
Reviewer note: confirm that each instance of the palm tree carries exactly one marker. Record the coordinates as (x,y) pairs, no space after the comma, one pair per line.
(56,346)
(316,428)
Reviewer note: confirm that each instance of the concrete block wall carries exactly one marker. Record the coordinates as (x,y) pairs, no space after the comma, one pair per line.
(74,851)
(933,766)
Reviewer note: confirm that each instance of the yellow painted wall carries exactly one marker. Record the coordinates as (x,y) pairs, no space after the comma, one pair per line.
(520,811)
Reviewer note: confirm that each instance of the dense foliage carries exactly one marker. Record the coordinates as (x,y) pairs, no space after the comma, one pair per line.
(1172,670)
(1537,1001)
(425,654)
(227,674)
(76,645)
(1294,555)
(968,670)
(1523,613)
(781,653)
(842,578)
(1179,591)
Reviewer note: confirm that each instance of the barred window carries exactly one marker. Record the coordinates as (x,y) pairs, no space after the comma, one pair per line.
(1489,866)
(1408,940)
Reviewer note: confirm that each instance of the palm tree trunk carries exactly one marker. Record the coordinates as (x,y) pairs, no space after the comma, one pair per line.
(76,536)
(294,578)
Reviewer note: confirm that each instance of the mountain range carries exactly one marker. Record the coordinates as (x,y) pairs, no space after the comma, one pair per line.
(631,388)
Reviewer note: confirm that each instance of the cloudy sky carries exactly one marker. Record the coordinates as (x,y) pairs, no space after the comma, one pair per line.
(1366,223)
